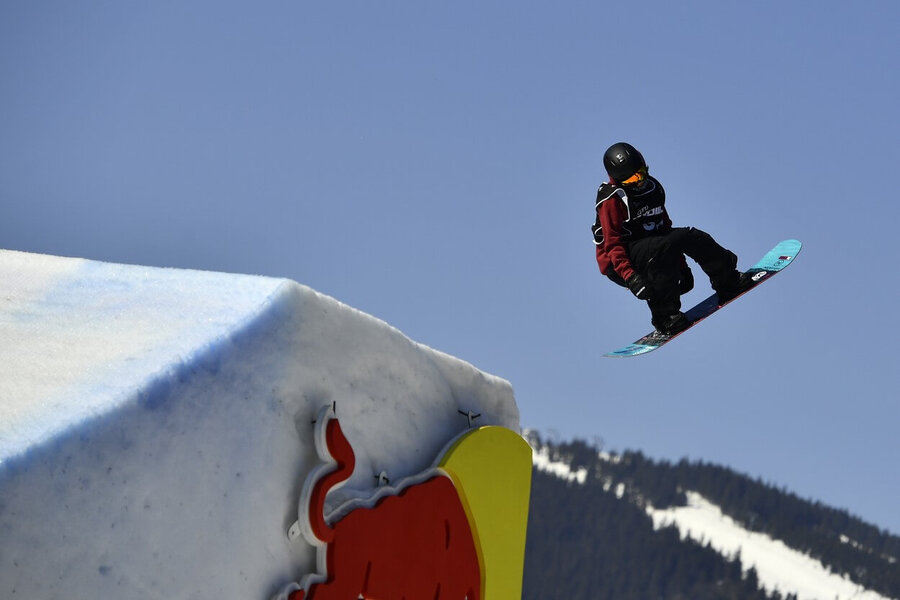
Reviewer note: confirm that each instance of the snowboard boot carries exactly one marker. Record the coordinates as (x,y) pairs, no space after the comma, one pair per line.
(672,324)
(728,286)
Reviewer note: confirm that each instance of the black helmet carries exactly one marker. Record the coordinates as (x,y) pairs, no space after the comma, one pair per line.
(622,160)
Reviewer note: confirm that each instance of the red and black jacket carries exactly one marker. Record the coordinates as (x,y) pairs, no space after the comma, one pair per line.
(626,213)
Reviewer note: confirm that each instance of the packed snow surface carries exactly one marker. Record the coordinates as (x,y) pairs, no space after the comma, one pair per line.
(156,424)
(78,338)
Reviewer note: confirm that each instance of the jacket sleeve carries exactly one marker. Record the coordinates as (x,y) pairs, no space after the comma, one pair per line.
(612,214)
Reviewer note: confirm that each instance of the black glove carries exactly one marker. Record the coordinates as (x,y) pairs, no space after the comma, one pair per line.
(639,287)
(685,280)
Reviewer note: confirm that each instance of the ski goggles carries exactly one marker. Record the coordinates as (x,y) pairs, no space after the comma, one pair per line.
(637,177)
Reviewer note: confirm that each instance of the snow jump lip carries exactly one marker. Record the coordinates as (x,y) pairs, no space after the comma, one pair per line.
(151,416)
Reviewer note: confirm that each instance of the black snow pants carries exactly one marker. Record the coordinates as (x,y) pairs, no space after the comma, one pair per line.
(658,258)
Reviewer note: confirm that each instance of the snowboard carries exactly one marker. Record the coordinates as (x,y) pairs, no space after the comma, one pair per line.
(769,265)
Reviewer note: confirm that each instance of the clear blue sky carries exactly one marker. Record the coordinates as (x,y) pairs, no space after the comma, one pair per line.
(435,165)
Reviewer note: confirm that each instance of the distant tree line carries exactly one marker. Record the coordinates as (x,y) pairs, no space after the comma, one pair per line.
(588,539)
(583,543)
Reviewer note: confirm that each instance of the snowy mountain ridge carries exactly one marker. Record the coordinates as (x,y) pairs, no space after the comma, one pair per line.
(779,568)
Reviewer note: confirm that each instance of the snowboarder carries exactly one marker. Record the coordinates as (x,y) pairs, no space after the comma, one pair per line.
(638,248)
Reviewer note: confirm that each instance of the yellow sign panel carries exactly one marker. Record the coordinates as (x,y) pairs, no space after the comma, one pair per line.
(491,470)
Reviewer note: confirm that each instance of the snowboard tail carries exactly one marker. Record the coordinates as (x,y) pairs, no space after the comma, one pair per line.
(775,260)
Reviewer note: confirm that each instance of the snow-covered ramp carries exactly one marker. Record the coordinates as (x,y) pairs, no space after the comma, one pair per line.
(156,424)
